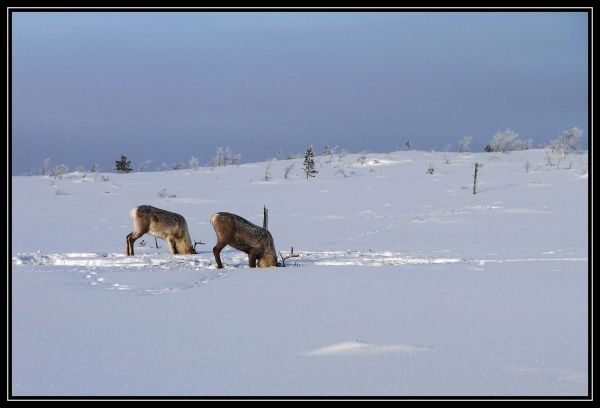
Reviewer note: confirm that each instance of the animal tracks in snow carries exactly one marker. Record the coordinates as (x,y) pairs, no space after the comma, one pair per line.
(95,265)
(112,270)
(147,274)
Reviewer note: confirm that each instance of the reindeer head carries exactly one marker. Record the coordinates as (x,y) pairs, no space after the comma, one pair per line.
(267,260)
(193,249)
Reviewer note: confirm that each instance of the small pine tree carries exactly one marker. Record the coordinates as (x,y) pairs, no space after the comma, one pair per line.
(309,163)
(122,165)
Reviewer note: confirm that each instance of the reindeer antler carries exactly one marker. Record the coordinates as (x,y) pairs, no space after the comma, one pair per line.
(198,243)
(291,255)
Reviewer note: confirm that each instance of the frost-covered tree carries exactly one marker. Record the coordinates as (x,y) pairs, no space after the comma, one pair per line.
(329,152)
(288,169)
(502,141)
(194,163)
(59,171)
(567,143)
(269,164)
(123,165)
(225,157)
(506,141)
(145,164)
(463,144)
(522,144)
(45,167)
(309,163)
(564,145)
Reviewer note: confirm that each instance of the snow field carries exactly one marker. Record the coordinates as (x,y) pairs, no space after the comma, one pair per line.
(407,283)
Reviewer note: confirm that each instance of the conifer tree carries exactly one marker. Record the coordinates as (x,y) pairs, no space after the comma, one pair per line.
(309,163)
(122,165)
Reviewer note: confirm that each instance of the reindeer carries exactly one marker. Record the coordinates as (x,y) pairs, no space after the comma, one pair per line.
(162,224)
(241,234)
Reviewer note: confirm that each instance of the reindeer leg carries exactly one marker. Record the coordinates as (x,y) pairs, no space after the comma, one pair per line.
(130,241)
(172,246)
(252,258)
(217,253)
(127,250)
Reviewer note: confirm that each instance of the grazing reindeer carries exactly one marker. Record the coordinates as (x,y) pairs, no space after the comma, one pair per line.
(162,224)
(241,234)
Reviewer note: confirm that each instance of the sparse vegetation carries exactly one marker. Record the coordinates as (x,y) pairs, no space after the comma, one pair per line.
(341,169)
(342,154)
(268,166)
(178,165)
(287,170)
(162,194)
(362,160)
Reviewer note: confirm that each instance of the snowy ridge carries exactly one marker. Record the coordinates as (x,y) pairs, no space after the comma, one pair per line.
(237,260)
(233,259)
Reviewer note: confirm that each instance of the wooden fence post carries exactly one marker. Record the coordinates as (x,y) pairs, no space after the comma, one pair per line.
(475,178)
(265,218)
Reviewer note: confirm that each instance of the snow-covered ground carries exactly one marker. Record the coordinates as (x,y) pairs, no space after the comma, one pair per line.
(407,284)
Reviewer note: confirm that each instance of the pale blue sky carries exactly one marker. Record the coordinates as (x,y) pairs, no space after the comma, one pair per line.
(88,87)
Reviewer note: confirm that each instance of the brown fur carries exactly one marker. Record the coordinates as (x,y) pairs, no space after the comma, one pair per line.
(162,224)
(245,236)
